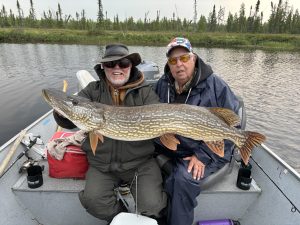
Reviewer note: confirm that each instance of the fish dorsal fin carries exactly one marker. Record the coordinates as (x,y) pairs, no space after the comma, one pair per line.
(93,141)
(227,115)
(216,146)
(170,141)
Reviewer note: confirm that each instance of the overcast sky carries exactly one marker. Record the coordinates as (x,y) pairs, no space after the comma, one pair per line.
(138,8)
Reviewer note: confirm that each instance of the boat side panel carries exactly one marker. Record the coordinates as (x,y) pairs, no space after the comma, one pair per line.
(13,211)
(272,207)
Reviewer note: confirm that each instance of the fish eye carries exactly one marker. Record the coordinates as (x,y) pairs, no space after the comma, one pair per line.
(74,101)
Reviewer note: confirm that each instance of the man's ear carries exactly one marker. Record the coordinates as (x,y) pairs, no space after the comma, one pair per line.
(194,57)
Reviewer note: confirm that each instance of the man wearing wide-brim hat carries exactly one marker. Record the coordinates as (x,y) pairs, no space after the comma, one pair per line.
(120,83)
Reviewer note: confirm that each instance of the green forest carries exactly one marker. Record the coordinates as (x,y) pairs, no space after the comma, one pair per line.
(243,28)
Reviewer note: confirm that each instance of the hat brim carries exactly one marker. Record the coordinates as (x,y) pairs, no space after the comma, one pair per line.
(135,58)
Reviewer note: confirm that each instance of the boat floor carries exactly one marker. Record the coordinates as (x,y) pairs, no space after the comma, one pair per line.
(59,196)
(227,184)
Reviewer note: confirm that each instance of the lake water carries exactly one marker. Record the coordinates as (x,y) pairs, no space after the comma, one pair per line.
(269,83)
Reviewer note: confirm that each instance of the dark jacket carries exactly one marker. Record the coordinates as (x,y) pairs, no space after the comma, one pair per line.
(207,90)
(114,155)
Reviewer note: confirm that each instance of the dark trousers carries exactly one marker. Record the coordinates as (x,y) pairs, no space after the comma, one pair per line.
(100,200)
(182,192)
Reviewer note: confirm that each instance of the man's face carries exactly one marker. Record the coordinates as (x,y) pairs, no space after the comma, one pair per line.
(118,72)
(182,65)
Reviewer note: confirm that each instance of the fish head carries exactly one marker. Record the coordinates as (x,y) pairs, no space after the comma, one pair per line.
(86,115)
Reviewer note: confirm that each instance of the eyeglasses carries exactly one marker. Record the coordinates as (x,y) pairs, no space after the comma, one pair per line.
(183,58)
(123,63)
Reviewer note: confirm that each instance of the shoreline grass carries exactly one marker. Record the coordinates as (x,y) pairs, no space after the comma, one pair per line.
(272,42)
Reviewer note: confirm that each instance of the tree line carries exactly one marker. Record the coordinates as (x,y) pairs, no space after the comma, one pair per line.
(283,19)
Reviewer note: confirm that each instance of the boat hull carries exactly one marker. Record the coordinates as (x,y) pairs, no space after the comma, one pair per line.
(274,190)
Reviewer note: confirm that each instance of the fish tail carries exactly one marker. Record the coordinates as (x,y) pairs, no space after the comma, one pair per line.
(252,139)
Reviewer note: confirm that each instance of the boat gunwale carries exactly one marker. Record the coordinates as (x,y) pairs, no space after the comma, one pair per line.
(27,128)
(281,161)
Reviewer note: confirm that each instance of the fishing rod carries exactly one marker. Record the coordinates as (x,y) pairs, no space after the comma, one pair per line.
(28,147)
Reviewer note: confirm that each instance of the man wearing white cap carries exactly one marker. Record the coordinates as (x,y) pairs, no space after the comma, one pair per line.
(188,80)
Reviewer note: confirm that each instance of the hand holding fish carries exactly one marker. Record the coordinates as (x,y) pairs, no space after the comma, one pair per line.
(196,166)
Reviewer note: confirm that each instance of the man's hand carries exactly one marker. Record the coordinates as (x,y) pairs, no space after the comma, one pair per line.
(197,166)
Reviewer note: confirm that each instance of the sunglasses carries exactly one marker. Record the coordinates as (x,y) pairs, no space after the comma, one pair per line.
(122,63)
(183,58)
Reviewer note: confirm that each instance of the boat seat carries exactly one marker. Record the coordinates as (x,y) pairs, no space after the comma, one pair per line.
(166,165)
(55,194)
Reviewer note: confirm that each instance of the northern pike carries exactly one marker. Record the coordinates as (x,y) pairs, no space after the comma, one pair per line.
(211,125)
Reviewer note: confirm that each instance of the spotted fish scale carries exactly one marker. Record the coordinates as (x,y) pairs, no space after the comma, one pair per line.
(210,125)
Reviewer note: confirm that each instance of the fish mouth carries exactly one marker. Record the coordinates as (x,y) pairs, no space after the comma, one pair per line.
(45,95)
(57,100)
(53,97)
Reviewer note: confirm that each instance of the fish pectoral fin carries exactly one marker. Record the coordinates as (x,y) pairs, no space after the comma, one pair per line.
(93,141)
(227,115)
(216,146)
(170,141)
(100,136)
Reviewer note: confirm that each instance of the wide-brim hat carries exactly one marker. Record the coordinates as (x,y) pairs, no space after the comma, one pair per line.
(115,52)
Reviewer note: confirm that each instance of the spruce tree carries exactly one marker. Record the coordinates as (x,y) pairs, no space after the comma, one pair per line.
(100,16)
